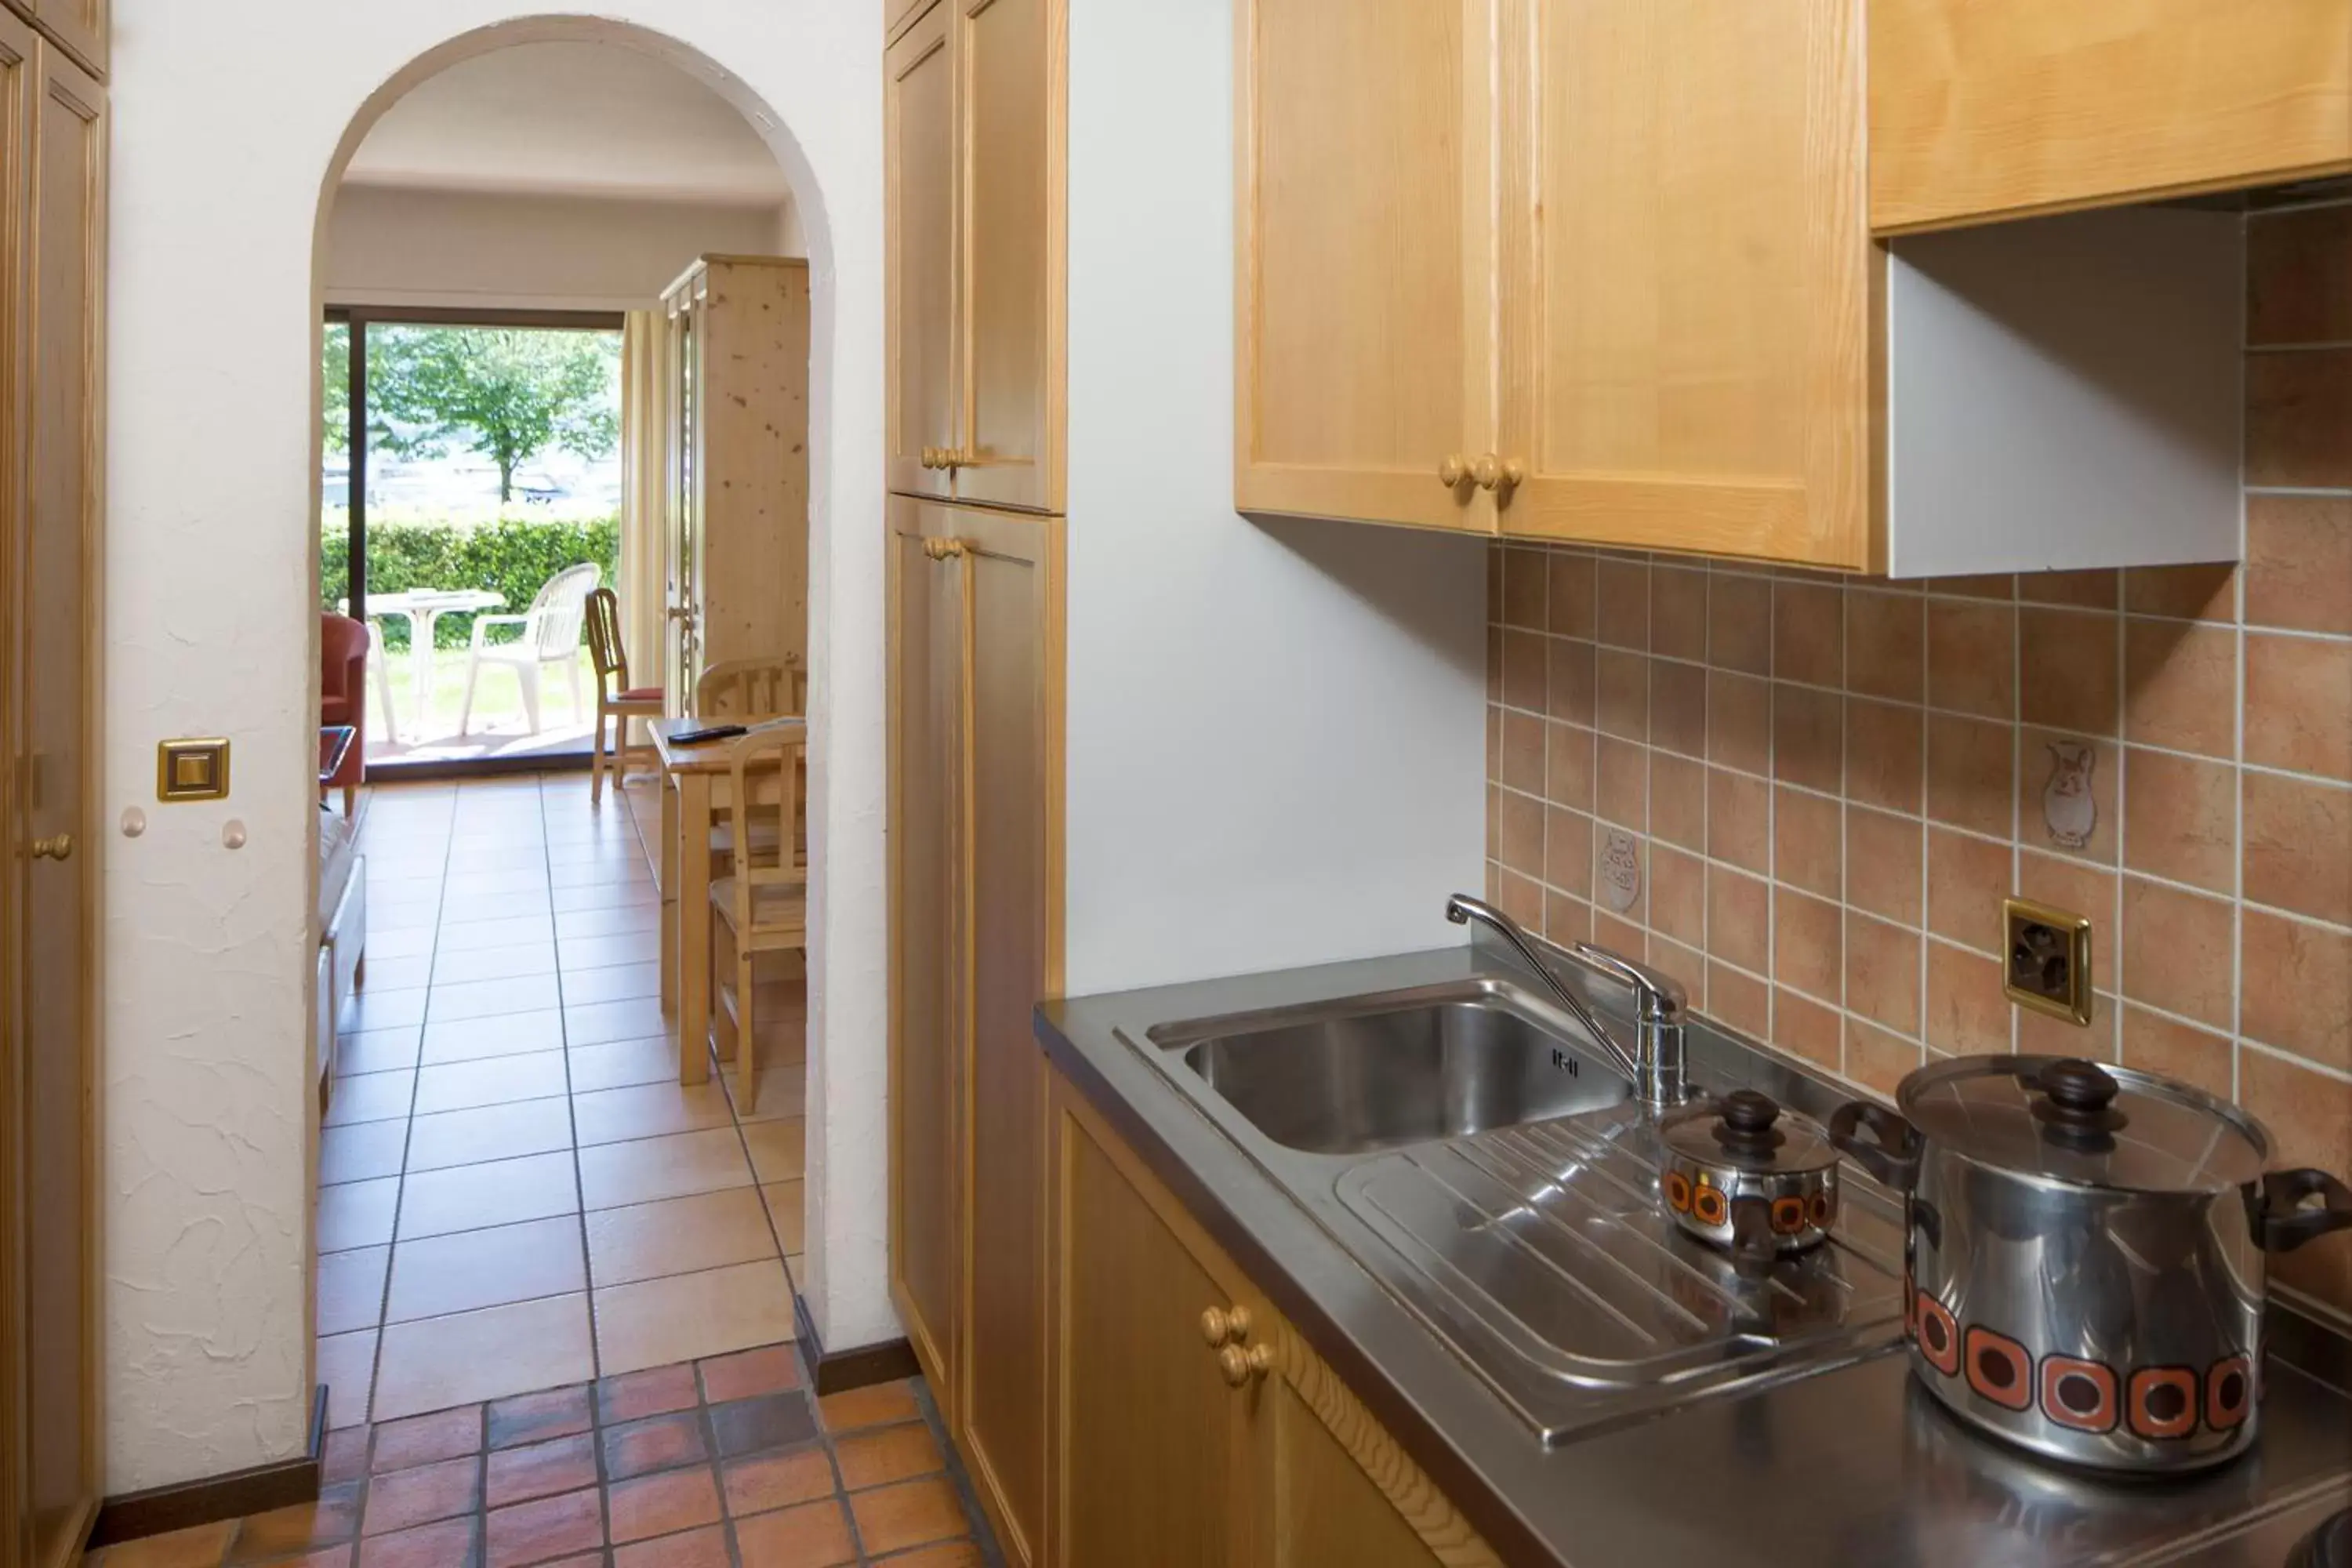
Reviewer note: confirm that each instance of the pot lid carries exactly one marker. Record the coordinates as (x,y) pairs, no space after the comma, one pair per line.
(2079,1122)
(1748,1130)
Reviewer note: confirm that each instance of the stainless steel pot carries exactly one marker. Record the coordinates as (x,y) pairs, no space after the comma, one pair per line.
(2086,1261)
(1748,1176)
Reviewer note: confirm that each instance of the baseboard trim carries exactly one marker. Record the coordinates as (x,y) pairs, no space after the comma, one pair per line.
(479,767)
(838,1371)
(161,1510)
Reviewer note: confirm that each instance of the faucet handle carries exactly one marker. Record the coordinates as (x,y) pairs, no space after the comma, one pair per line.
(1659,997)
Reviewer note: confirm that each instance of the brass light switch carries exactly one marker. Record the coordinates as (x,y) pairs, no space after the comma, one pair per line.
(191,770)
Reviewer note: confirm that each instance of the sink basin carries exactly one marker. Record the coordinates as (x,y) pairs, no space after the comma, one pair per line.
(1352,1082)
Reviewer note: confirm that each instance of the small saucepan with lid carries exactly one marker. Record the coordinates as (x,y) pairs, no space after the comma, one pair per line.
(1748,1175)
(2084,1264)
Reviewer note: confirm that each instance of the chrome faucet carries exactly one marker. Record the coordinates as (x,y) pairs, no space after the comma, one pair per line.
(1656,1063)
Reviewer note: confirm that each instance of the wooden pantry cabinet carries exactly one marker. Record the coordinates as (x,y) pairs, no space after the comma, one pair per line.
(1990,108)
(1603,273)
(975,724)
(79,28)
(973,126)
(1193,1424)
(52,310)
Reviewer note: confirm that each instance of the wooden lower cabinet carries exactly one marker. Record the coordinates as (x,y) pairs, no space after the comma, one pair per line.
(1172,1449)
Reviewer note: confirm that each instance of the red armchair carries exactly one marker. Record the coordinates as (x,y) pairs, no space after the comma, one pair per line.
(342,699)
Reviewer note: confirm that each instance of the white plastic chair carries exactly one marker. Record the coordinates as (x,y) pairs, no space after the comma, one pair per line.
(551,634)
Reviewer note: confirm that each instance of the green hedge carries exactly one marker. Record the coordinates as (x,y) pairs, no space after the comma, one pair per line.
(512,556)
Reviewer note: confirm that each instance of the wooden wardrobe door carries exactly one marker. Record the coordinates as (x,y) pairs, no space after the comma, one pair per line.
(1364,277)
(1009,56)
(60,583)
(921,403)
(929,935)
(1686,266)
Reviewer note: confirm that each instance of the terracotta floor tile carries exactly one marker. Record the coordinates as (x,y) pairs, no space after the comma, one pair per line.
(689,1316)
(943,1555)
(661,1504)
(648,1110)
(768,1421)
(602,951)
(621,983)
(911,1513)
(332,1520)
(424,1439)
(769,1481)
(375,1051)
(453,1000)
(873,1405)
(880,1456)
(704,1548)
(362,1153)
(346,1459)
(338,1556)
(372,1009)
(535,1418)
(403,1499)
(346,1364)
(472,966)
(655,1442)
(617,1064)
(357,1213)
(551,1527)
(488,1132)
(814,1535)
(491,1081)
(637,1395)
(782,1088)
(439,1361)
(500,1192)
(451,1544)
(436,1276)
(350,1289)
(477,1039)
(637,1018)
(647,1169)
(541,1469)
(772,1370)
(201,1547)
(622,920)
(504,931)
(779,1148)
(788,1211)
(678,1236)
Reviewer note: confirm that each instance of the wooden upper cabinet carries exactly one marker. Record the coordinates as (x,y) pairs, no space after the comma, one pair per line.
(1363,288)
(1686,277)
(897,14)
(919,142)
(78,26)
(1985,109)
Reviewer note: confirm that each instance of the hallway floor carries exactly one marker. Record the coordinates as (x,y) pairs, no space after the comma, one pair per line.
(515,1193)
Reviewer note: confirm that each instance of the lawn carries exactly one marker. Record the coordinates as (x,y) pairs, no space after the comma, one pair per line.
(498,698)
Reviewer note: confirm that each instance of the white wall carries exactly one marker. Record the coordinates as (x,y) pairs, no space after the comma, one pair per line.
(393,246)
(230,119)
(1274,730)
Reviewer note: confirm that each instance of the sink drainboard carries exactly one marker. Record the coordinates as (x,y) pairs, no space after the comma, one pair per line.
(1540,1249)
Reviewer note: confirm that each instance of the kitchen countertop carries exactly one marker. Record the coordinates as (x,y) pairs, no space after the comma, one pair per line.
(1852,1465)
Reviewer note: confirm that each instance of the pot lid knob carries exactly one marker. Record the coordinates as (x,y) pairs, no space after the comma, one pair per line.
(2076,1101)
(1744,1124)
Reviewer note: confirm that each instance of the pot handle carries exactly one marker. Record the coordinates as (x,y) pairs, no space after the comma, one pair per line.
(2286,1224)
(1892,1151)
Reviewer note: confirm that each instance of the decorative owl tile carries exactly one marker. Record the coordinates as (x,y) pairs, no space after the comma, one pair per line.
(1621,869)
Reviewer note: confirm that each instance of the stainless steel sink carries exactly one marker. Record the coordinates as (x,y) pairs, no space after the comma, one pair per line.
(1470,1146)
(1381,1075)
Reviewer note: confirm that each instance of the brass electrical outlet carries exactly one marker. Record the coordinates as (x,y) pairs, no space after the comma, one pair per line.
(191,770)
(2048,966)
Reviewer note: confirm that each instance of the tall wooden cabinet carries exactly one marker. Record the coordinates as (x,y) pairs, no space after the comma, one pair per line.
(972,127)
(738,463)
(52,280)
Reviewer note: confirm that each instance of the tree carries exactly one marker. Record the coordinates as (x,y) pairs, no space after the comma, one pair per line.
(509,393)
(335,362)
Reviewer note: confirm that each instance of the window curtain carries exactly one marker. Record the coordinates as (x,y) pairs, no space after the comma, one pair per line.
(644,586)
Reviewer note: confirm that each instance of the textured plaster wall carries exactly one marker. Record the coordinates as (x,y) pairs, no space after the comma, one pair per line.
(230,119)
(1261,716)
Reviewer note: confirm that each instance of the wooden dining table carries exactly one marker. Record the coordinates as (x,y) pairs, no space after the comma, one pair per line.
(694,794)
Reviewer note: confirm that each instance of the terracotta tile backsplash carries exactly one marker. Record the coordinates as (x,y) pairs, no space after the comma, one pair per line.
(1806,798)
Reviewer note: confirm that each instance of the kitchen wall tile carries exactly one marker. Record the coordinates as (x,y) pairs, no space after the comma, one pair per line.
(1971,774)
(1521,897)
(2295,987)
(1739,820)
(2180,819)
(1570,607)
(1678,612)
(1619,934)
(1524,658)
(1803,1025)
(2041,1034)
(2084,890)
(2299,276)
(2299,704)
(1965,1012)
(1621,794)
(2155,1043)
(1885,760)
(1524,571)
(1990,585)
(1741,1000)
(1740,622)
(1885,864)
(1568,851)
(2066,788)
(1569,680)
(2299,562)
(2298,407)
(2180,686)
(2176,951)
(1809,633)
(1972,657)
(1807,737)
(1567,921)
(2093,590)
(1493,664)
(2299,845)
(1678,895)
(1678,707)
(1739,721)
(1968,877)
(1567,765)
(1678,801)
(1624,593)
(2199,592)
(2067,670)
(1882,973)
(1740,919)
(1520,843)
(1523,751)
(1624,694)
(1808,842)
(2310,1114)
(1807,945)
(1877,1059)
(1886,645)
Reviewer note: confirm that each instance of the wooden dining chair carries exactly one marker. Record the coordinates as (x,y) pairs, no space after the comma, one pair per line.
(616,699)
(762,904)
(745,690)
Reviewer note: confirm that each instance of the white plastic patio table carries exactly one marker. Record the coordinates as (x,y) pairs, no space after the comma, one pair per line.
(422,607)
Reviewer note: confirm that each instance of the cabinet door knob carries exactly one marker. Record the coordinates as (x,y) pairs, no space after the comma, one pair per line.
(1452,471)
(57,849)
(1241,1367)
(1224,1325)
(930,456)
